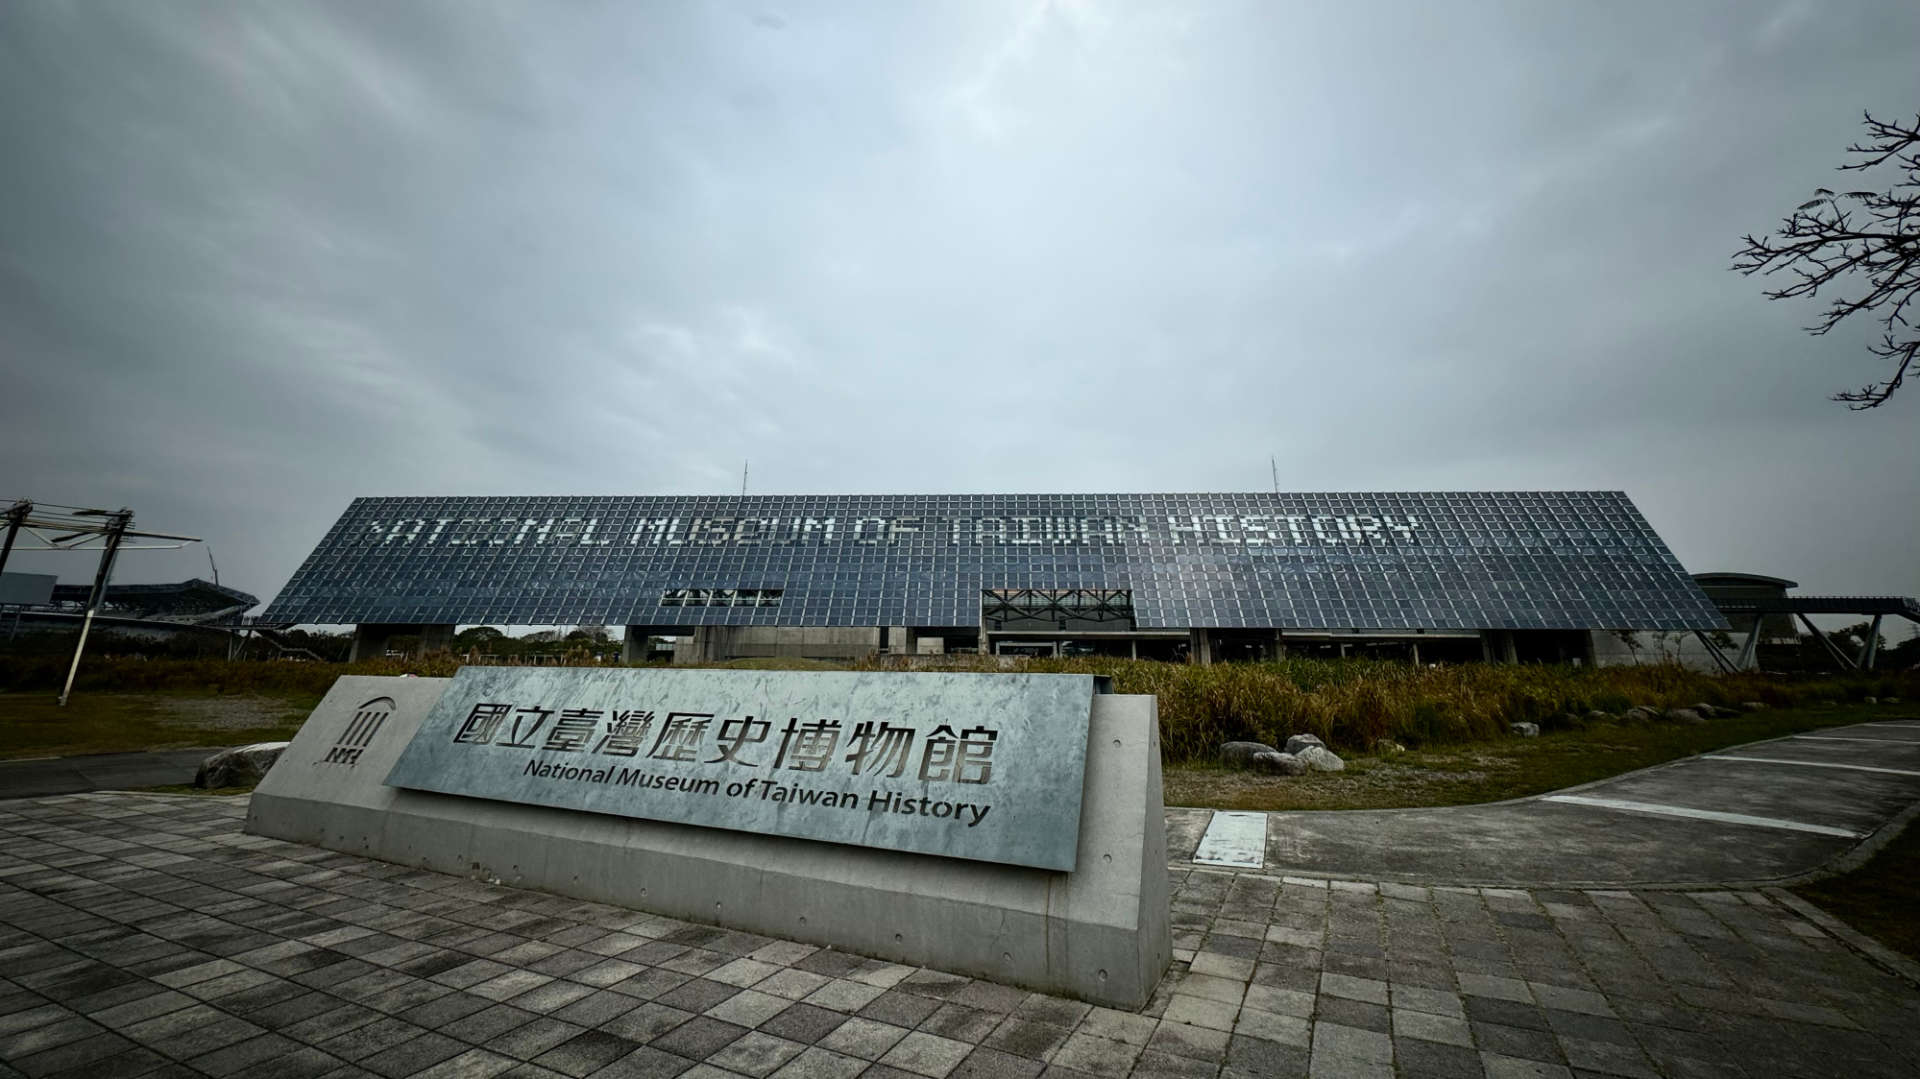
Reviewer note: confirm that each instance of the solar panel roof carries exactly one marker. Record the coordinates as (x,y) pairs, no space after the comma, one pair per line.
(1366,561)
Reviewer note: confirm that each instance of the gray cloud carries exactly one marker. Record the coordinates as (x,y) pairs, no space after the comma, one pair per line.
(258,259)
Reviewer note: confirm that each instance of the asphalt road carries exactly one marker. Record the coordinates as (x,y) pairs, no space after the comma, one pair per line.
(100,771)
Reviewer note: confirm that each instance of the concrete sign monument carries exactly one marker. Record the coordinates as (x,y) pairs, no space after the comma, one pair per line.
(1005,826)
(976,766)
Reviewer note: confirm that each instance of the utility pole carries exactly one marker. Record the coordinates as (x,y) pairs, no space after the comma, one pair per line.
(116,530)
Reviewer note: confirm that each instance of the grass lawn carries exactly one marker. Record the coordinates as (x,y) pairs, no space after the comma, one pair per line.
(1879,898)
(1492,771)
(32,725)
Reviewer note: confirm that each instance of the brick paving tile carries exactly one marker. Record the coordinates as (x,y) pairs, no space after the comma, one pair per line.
(817,1063)
(531,1039)
(959,1022)
(803,1023)
(756,1054)
(647,1022)
(699,1037)
(899,1007)
(148,935)
(863,1038)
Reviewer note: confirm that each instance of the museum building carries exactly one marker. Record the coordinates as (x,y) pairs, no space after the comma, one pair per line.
(1505,576)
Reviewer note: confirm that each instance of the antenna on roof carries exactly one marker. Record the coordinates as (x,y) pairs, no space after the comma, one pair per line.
(1275,462)
(743,478)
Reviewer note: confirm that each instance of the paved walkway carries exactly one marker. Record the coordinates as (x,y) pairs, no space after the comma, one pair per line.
(99,771)
(1756,813)
(147,935)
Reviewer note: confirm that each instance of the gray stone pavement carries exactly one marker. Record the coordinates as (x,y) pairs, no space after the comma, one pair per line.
(147,935)
(1800,802)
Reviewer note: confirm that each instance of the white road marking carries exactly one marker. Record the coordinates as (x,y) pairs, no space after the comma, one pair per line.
(1235,839)
(1658,810)
(1842,738)
(1903,726)
(1813,764)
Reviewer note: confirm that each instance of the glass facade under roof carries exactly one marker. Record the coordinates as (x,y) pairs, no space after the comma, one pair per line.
(1372,561)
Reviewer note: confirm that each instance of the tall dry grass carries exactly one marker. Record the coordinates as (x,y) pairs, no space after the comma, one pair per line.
(1350,704)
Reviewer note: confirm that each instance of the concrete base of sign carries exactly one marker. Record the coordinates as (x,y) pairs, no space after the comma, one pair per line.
(1099,933)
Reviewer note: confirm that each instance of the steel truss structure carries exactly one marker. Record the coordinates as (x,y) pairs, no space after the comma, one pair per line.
(1877,608)
(75,528)
(1106,608)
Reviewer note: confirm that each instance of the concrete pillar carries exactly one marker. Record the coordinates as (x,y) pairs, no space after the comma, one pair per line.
(899,640)
(369,641)
(370,638)
(1200,647)
(708,644)
(1496,646)
(633,647)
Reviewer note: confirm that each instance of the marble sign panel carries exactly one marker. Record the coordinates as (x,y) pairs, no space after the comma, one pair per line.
(980,766)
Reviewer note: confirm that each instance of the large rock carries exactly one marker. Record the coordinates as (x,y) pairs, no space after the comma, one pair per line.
(1685,716)
(1709,711)
(1241,754)
(1754,706)
(1598,716)
(241,766)
(1640,715)
(1285,764)
(1319,758)
(1525,730)
(1301,741)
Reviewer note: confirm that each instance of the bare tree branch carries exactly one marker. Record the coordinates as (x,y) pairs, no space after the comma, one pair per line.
(1871,239)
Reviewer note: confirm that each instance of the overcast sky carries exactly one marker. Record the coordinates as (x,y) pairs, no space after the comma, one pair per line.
(257,259)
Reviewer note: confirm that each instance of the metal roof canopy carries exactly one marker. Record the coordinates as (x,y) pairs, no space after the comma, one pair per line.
(1384,561)
(1800,607)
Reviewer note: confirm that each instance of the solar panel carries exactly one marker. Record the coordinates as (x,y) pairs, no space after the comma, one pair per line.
(1341,561)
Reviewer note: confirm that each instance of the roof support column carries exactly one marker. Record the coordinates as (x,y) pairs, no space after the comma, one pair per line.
(1750,650)
(1870,648)
(370,639)
(1846,663)
(116,531)
(1200,647)
(1496,646)
(1719,658)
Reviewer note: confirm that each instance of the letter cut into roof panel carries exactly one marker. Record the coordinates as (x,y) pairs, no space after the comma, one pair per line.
(1367,561)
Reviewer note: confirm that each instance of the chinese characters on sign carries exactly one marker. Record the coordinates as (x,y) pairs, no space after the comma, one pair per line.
(965,756)
(978,766)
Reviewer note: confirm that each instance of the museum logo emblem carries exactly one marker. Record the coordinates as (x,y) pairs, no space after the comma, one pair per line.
(367,721)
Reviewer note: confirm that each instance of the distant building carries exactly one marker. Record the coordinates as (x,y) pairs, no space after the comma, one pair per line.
(1759,612)
(1739,591)
(188,608)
